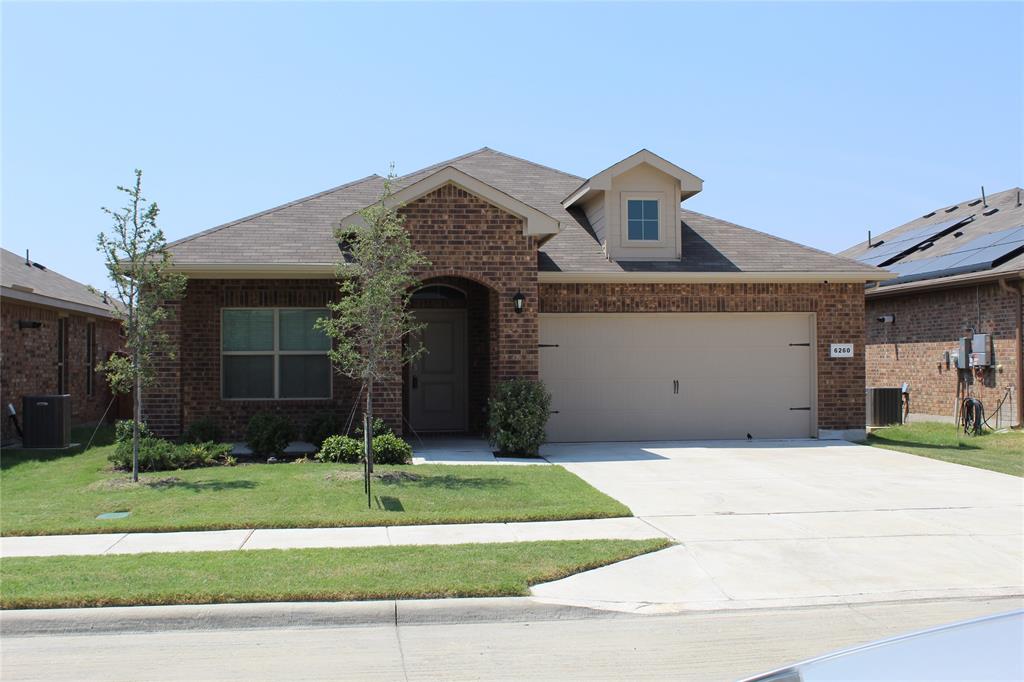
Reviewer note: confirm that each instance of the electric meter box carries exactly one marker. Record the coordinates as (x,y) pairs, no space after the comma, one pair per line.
(962,355)
(981,350)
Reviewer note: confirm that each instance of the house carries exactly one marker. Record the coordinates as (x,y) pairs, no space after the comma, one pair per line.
(645,320)
(959,271)
(55,331)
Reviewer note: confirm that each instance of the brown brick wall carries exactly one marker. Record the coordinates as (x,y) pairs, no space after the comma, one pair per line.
(838,308)
(930,323)
(463,237)
(29,360)
(189,388)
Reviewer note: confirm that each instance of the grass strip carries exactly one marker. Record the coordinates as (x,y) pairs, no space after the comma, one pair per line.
(1002,452)
(57,492)
(407,572)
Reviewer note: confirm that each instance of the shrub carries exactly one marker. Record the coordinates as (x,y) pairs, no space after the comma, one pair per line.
(203,430)
(519,410)
(390,449)
(269,434)
(380,428)
(208,454)
(123,430)
(322,426)
(342,449)
(157,454)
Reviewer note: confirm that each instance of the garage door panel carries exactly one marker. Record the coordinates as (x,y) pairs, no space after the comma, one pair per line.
(611,376)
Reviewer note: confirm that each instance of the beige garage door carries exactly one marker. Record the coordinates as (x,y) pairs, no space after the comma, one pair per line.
(678,375)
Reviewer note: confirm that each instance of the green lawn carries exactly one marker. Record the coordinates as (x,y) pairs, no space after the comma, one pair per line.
(422,571)
(63,492)
(1002,452)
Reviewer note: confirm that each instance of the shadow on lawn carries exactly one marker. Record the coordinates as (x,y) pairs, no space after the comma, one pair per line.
(12,457)
(450,482)
(208,486)
(964,444)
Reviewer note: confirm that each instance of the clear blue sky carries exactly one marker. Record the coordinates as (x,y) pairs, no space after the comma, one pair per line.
(814,122)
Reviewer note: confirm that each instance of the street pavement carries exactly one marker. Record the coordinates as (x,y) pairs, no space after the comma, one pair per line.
(269,642)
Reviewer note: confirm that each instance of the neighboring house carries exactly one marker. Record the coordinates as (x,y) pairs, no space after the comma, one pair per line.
(55,331)
(958,272)
(645,320)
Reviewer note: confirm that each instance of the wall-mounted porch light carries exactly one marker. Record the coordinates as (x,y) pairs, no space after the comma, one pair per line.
(519,301)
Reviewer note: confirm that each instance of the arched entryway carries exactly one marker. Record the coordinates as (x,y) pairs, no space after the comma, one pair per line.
(445,390)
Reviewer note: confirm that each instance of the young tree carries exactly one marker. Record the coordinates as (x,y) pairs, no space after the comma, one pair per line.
(138,264)
(371,320)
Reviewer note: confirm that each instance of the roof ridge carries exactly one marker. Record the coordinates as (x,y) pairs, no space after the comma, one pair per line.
(781,239)
(534,163)
(264,212)
(447,162)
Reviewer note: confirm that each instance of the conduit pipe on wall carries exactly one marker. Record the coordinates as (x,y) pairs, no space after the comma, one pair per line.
(1018,291)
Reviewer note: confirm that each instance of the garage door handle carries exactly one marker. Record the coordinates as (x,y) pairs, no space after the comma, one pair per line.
(806,409)
(675,386)
(547,345)
(800,344)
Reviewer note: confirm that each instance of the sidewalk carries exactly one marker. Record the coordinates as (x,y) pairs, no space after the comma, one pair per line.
(626,528)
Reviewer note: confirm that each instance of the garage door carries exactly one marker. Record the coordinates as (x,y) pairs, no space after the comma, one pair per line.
(678,375)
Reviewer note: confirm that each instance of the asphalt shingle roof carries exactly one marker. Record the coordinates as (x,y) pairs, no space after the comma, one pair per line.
(1001,213)
(17,276)
(302,231)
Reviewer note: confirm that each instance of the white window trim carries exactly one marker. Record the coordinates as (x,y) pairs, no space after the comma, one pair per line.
(662,240)
(276,353)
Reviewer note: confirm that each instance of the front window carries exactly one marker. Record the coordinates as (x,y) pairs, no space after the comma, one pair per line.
(269,353)
(642,220)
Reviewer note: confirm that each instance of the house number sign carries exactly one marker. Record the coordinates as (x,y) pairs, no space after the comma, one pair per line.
(841,350)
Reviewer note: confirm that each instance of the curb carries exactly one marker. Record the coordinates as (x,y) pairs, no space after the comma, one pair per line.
(274,615)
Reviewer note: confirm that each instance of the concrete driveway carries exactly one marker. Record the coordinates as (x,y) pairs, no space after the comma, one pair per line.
(785,523)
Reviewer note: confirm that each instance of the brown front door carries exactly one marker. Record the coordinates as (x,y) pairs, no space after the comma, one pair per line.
(437,379)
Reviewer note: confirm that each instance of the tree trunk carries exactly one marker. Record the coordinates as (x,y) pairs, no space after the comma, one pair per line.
(136,421)
(369,426)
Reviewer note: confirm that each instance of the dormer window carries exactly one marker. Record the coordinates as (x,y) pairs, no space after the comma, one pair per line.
(642,219)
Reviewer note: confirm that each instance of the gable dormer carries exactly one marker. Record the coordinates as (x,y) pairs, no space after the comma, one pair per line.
(633,207)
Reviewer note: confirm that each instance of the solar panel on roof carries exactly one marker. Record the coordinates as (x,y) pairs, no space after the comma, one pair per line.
(998,248)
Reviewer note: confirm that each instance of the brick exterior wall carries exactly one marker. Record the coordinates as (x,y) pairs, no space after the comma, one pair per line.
(930,323)
(838,308)
(475,245)
(189,387)
(29,360)
(465,239)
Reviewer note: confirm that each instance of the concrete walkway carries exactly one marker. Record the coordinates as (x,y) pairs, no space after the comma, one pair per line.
(295,538)
(768,524)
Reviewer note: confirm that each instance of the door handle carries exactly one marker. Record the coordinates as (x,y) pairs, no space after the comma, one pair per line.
(415,382)
(675,386)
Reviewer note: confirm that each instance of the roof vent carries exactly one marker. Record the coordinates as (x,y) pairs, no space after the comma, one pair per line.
(40,266)
(925,247)
(928,215)
(878,243)
(975,202)
(951,209)
(990,211)
(958,234)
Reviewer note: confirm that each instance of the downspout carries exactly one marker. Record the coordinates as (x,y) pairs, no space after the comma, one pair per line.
(1018,291)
